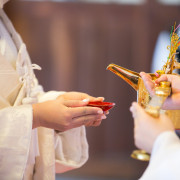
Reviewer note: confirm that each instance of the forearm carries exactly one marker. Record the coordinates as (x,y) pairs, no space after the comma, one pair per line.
(35,123)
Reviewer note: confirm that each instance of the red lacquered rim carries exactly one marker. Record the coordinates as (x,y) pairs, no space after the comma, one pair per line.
(101,103)
(105,106)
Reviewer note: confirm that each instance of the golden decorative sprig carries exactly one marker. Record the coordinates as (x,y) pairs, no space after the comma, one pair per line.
(172,63)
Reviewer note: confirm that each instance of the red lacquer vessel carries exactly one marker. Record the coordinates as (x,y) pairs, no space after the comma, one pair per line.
(105,106)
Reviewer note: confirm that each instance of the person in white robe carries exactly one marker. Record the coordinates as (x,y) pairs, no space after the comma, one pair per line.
(158,136)
(40,133)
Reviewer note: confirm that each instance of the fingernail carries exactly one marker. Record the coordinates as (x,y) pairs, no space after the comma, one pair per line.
(103,117)
(100,112)
(102,98)
(85,100)
(107,112)
(157,75)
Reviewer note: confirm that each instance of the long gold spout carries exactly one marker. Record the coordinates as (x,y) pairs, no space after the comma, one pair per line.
(129,76)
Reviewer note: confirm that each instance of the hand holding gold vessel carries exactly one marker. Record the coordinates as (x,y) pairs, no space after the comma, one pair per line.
(145,85)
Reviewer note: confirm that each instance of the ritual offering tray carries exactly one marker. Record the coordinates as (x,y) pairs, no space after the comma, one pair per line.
(105,106)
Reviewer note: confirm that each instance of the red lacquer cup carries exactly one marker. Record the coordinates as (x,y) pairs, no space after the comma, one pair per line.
(105,106)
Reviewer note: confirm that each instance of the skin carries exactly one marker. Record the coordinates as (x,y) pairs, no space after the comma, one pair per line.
(68,111)
(173,102)
(147,128)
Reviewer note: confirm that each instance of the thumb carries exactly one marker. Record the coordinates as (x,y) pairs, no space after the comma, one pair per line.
(137,111)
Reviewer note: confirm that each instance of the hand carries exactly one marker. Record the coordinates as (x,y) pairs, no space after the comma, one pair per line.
(172,102)
(147,128)
(79,96)
(67,111)
(87,98)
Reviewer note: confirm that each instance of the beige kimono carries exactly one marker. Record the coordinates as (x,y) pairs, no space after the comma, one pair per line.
(26,153)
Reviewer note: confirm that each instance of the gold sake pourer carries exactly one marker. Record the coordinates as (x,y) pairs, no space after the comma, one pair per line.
(143,98)
(134,80)
(161,93)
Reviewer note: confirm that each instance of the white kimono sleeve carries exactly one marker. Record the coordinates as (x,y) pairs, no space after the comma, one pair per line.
(165,158)
(15,137)
(71,147)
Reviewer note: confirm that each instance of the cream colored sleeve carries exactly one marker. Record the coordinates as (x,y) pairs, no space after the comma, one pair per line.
(165,158)
(71,147)
(15,137)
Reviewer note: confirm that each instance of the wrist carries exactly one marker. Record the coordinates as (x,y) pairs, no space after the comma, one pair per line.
(36,120)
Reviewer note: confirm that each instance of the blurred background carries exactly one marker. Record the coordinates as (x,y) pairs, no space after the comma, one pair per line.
(74,42)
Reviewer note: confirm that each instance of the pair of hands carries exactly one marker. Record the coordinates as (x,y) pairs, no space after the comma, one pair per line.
(68,111)
(147,128)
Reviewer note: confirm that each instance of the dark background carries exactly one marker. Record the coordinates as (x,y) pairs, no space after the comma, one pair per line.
(74,43)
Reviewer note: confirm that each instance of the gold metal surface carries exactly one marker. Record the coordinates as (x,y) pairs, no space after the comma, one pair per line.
(140,155)
(153,111)
(129,76)
(144,99)
(164,89)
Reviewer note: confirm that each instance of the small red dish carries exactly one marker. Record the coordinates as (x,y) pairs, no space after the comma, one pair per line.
(105,106)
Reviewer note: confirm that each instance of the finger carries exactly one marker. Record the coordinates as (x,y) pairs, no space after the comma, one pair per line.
(75,96)
(106,112)
(96,99)
(145,76)
(91,98)
(100,99)
(137,111)
(76,103)
(133,110)
(96,123)
(161,78)
(86,110)
(88,119)
(148,82)
(157,74)
(150,86)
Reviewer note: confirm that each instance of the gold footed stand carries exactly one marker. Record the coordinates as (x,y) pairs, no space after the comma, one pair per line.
(140,155)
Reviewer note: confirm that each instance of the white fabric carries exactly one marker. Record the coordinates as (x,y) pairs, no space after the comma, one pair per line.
(165,158)
(75,153)
(7,47)
(161,52)
(15,135)
(8,91)
(20,146)
(2,2)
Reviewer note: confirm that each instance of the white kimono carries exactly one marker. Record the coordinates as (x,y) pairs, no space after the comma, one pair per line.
(26,153)
(165,158)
